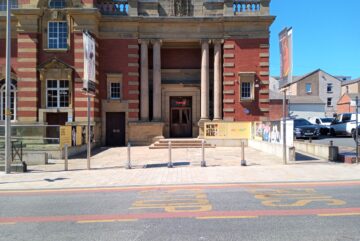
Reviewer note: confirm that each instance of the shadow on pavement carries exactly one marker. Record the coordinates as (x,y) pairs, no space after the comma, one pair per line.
(175,164)
(303,157)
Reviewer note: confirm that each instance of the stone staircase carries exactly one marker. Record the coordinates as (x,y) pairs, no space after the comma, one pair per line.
(180,143)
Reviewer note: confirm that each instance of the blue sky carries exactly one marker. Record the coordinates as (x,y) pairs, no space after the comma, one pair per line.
(326,35)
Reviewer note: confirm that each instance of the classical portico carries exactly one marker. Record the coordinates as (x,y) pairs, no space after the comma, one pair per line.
(186,83)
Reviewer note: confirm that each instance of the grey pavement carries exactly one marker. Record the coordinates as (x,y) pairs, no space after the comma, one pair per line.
(223,166)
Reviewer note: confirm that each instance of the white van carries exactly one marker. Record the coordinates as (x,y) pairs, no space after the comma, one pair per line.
(344,124)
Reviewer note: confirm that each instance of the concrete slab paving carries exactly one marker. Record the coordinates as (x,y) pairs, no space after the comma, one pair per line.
(149,168)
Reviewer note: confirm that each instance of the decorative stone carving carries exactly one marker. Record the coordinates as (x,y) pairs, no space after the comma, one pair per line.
(181,8)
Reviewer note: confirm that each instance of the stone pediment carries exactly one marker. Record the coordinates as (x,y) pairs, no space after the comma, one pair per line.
(55,69)
(54,63)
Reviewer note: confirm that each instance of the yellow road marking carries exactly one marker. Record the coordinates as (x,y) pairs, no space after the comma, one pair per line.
(7,223)
(225,217)
(107,220)
(338,214)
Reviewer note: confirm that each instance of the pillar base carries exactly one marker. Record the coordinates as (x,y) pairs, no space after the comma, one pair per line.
(201,125)
(145,133)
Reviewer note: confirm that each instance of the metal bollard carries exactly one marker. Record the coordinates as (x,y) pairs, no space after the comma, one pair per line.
(203,162)
(128,166)
(310,139)
(66,157)
(170,164)
(243,161)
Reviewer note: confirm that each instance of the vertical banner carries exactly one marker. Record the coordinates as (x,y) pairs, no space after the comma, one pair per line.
(286,53)
(89,63)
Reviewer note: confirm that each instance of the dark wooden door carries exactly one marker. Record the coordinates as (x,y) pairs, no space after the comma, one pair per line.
(58,119)
(115,128)
(180,117)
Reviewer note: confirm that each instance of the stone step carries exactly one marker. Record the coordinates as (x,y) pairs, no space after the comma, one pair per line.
(180,143)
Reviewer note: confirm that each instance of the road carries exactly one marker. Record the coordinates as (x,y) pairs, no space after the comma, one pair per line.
(328,211)
(338,141)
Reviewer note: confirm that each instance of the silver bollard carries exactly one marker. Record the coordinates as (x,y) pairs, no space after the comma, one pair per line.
(128,166)
(66,157)
(203,162)
(170,164)
(243,161)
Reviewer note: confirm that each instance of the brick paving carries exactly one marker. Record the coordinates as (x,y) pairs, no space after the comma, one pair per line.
(223,166)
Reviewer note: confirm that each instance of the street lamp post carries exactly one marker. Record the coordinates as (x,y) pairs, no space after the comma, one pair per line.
(7,88)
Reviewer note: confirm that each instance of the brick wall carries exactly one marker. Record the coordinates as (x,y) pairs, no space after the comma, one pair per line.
(27,88)
(276,110)
(246,55)
(123,59)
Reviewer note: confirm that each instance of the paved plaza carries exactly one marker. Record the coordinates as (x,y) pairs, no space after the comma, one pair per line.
(150,168)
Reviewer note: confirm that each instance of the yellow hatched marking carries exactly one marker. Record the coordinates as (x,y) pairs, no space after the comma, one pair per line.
(226,217)
(7,223)
(107,220)
(338,214)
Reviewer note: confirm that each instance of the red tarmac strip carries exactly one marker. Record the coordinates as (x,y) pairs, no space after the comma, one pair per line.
(163,215)
(174,187)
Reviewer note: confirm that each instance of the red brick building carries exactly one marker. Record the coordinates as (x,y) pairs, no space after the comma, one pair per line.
(163,67)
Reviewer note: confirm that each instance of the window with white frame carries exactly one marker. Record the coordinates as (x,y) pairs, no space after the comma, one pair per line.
(247,81)
(329,102)
(57,35)
(56,3)
(115,91)
(245,90)
(12,101)
(57,93)
(329,88)
(308,88)
(3,4)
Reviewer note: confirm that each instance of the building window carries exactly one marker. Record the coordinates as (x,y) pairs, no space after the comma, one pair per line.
(308,88)
(56,3)
(12,101)
(329,102)
(57,35)
(58,94)
(245,90)
(115,93)
(247,80)
(329,88)
(3,4)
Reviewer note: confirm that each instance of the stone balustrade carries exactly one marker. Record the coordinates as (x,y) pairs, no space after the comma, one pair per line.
(241,6)
(113,7)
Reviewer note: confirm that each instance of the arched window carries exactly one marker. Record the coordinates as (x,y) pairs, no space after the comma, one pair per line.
(12,102)
(56,3)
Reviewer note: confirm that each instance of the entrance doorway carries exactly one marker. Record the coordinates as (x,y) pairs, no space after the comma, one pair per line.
(54,119)
(115,128)
(180,117)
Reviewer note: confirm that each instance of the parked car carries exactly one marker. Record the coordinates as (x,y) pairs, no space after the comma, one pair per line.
(323,122)
(305,129)
(344,124)
(354,134)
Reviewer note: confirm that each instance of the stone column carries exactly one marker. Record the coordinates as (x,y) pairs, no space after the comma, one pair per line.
(217,80)
(144,101)
(204,80)
(156,80)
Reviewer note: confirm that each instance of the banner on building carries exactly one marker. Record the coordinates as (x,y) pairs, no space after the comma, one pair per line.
(225,130)
(89,63)
(272,131)
(286,54)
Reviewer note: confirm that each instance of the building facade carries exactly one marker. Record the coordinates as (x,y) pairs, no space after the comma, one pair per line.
(319,88)
(163,67)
